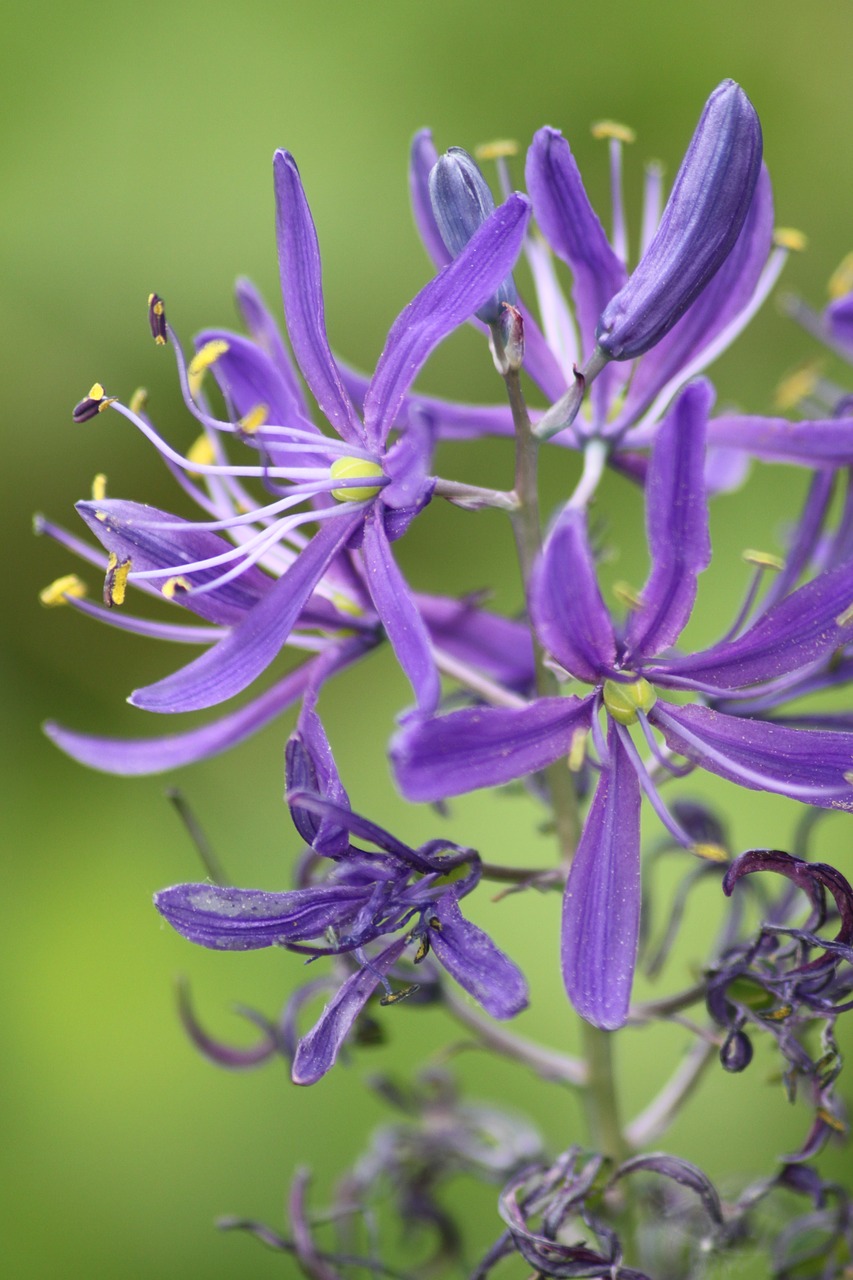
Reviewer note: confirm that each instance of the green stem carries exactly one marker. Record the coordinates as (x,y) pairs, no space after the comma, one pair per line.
(601,1102)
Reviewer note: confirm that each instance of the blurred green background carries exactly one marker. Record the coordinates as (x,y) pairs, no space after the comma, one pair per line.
(136,156)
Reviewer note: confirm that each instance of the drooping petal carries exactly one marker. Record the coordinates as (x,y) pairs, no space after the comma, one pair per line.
(233,663)
(677,524)
(422,158)
(316,1052)
(129,530)
(364,829)
(824,442)
(478,965)
(398,612)
(302,290)
(310,766)
(806,765)
(811,877)
(227,919)
(568,612)
(601,907)
(447,301)
(838,318)
(484,746)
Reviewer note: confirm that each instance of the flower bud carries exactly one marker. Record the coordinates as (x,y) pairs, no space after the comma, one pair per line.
(461,203)
(736,1053)
(700,224)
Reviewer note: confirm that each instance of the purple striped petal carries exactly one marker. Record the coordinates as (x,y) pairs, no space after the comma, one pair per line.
(316,1052)
(448,300)
(302,291)
(498,646)
(450,421)
(796,633)
(826,442)
(601,907)
(484,746)
(227,919)
(469,955)
(310,766)
(568,612)
(128,530)
(422,157)
(232,664)
(249,377)
(677,524)
(398,612)
(806,765)
(265,333)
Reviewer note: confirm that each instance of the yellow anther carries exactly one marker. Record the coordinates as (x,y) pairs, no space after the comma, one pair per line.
(158,310)
(202,361)
(762,558)
(624,701)
(59,591)
(115,587)
(99,487)
(710,852)
(499,149)
(201,452)
(577,751)
(394,997)
(841,280)
(138,400)
(344,605)
(778,1015)
(96,391)
(255,418)
(833,1121)
(172,586)
(844,619)
(422,951)
(625,594)
(791,239)
(355,469)
(797,385)
(612,129)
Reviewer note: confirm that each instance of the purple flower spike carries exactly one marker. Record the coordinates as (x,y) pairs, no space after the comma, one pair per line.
(700,224)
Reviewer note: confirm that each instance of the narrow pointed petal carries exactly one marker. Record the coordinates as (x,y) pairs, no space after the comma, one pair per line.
(450,421)
(484,746)
(302,291)
(806,765)
(700,224)
(677,524)
(129,530)
(568,612)
(824,442)
(318,1050)
(422,158)
(227,919)
(441,306)
(805,627)
(249,377)
(398,612)
(265,333)
(601,907)
(232,664)
(469,955)
(498,646)
(408,460)
(310,766)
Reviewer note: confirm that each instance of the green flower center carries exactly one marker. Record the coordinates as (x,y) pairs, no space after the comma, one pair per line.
(355,469)
(623,701)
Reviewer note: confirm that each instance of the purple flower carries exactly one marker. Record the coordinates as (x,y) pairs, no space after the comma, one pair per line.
(355,899)
(627,665)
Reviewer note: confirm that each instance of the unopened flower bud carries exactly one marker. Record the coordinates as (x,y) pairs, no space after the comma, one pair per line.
(700,224)
(461,203)
(508,340)
(736,1053)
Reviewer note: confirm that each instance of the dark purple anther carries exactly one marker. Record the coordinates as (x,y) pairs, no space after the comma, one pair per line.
(736,1053)
(157,319)
(91,405)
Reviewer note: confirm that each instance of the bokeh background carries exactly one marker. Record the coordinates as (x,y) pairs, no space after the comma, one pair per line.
(136,156)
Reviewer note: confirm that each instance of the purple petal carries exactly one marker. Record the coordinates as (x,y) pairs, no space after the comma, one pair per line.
(568,612)
(677,524)
(601,907)
(302,291)
(310,766)
(227,919)
(826,442)
(224,1055)
(264,332)
(796,633)
(498,646)
(484,746)
(838,318)
(422,157)
(248,377)
(128,530)
(469,955)
(811,877)
(233,663)
(364,829)
(318,1050)
(448,300)
(403,623)
(408,460)
(807,765)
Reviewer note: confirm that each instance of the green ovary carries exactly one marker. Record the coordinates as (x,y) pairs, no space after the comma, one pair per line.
(623,701)
(355,469)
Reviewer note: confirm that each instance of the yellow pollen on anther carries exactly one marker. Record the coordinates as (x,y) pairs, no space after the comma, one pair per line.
(829,1119)
(201,452)
(625,594)
(710,852)
(797,385)
(255,418)
(623,702)
(116,585)
(844,619)
(99,487)
(499,149)
(172,586)
(764,559)
(577,750)
(355,469)
(59,591)
(202,361)
(138,400)
(791,239)
(96,391)
(841,280)
(778,1015)
(612,129)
